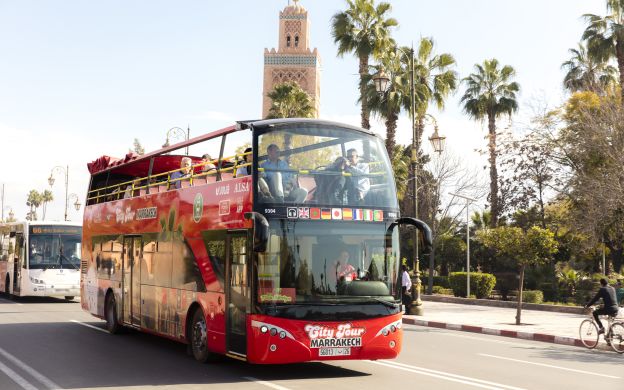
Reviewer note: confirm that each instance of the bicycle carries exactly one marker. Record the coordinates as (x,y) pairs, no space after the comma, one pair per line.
(613,335)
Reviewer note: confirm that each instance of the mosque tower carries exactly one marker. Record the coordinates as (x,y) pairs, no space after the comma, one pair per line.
(293,60)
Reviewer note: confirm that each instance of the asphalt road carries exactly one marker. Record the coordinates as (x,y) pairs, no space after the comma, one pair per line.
(49,343)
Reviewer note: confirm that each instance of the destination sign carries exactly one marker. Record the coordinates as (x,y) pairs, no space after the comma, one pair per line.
(55,230)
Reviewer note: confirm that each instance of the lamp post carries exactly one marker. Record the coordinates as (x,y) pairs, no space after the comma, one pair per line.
(77,203)
(468,201)
(51,182)
(11,214)
(381,81)
(177,131)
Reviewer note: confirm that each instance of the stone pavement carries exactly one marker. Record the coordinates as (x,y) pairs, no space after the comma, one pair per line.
(554,327)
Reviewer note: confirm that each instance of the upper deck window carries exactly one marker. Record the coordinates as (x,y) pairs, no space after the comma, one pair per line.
(312,164)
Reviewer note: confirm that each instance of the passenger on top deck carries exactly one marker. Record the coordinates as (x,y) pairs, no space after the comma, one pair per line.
(207,164)
(184,172)
(245,171)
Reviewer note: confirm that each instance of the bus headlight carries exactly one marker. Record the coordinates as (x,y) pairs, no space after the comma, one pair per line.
(36,281)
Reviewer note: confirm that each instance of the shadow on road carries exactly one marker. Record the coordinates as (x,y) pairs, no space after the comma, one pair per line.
(33,300)
(75,356)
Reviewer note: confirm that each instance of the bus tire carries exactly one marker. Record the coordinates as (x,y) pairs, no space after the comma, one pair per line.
(110,314)
(198,338)
(69,297)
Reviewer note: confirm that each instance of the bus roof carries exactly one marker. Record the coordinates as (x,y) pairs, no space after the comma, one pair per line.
(105,163)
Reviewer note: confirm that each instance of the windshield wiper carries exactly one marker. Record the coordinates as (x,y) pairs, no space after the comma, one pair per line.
(386,303)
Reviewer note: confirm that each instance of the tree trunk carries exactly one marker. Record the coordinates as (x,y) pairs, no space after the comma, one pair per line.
(619,54)
(519,309)
(391,125)
(493,171)
(365,109)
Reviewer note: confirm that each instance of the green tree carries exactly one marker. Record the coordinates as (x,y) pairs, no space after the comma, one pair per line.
(521,248)
(288,100)
(583,72)
(490,93)
(46,197)
(33,201)
(605,37)
(364,30)
(137,147)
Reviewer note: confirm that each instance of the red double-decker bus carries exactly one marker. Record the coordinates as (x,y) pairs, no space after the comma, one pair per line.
(280,245)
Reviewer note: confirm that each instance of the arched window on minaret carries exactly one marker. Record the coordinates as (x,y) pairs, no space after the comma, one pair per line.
(288,40)
(296,40)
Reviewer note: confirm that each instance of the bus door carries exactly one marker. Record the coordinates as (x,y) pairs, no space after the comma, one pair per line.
(19,262)
(132,253)
(237,293)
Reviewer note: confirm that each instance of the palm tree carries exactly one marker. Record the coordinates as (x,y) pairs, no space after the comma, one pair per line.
(364,30)
(288,100)
(434,80)
(605,36)
(46,197)
(584,73)
(491,93)
(33,201)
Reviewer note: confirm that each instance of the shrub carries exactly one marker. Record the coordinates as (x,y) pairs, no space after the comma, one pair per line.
(441,281)
(441,290)
(506,282)
(480,284)
(532,296)
(550,290)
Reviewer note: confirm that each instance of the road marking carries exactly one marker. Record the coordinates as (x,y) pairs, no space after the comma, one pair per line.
(265,383)
(448,376)
(31,371)
(89,326)
(15,377)
(549,366)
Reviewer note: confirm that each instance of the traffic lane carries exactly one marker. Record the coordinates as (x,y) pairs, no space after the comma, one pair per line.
(76,356)
(515,362)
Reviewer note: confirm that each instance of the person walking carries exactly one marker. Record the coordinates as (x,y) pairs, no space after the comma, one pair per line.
(610,307)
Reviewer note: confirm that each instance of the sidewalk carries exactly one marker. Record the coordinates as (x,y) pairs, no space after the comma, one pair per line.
(553,327)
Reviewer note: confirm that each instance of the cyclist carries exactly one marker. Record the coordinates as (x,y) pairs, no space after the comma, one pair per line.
(610,307)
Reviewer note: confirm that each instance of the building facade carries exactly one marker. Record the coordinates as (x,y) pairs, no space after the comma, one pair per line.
(293,60)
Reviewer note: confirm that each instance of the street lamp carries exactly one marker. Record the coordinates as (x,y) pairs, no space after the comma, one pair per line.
(77,203)
(11,214)
(51,182)
(381,81)
(468,201)
(178,132)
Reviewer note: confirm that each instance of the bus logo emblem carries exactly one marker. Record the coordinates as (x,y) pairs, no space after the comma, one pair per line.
(198,207)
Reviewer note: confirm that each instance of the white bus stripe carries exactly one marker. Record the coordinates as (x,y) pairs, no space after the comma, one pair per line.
(89,326)
(31,371)
(549,366)
(447,376)
(265,383)
(15,377)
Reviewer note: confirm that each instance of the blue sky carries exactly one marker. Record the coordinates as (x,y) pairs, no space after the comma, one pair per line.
(79,79)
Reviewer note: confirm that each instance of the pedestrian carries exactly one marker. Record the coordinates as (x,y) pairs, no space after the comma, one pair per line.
(406,288)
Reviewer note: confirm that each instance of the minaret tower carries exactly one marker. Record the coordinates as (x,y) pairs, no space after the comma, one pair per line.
(293,60)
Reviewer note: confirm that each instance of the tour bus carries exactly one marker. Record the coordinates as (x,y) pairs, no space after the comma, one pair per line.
(40,259)
(259,241)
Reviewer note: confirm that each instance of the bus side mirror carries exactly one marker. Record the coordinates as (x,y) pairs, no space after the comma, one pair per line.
(425,230)
(261,231)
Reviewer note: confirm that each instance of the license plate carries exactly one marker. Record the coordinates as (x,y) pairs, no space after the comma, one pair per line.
(334,351)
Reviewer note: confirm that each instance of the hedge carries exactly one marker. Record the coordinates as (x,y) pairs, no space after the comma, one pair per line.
(441,281)
(441,290)
(481,284)
(532,296)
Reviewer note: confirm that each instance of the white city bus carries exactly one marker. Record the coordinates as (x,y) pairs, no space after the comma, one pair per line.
(40,259)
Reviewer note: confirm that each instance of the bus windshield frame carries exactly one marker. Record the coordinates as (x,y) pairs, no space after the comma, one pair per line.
(54,247)
(321,164)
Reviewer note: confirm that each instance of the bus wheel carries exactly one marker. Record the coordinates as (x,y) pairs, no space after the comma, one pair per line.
(110,313)
(69,297)
(198,338)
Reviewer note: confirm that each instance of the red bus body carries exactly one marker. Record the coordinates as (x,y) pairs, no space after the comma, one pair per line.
(154,254)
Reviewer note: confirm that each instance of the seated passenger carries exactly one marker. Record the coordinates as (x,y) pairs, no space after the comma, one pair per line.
(359,184)
(245,171)
(184,172)
(331,186)
(281,181)
(207,164)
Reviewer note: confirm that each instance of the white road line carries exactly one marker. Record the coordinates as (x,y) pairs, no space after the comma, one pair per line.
(89,326)
(15,377)
(31,371)
(448,376)
(549,366)
(265,383)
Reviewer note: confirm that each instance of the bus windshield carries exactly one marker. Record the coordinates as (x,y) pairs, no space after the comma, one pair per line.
(325,165)
(311,262)
(54,251)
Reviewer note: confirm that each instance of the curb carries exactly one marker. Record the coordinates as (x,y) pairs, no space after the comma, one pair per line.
(547,338)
